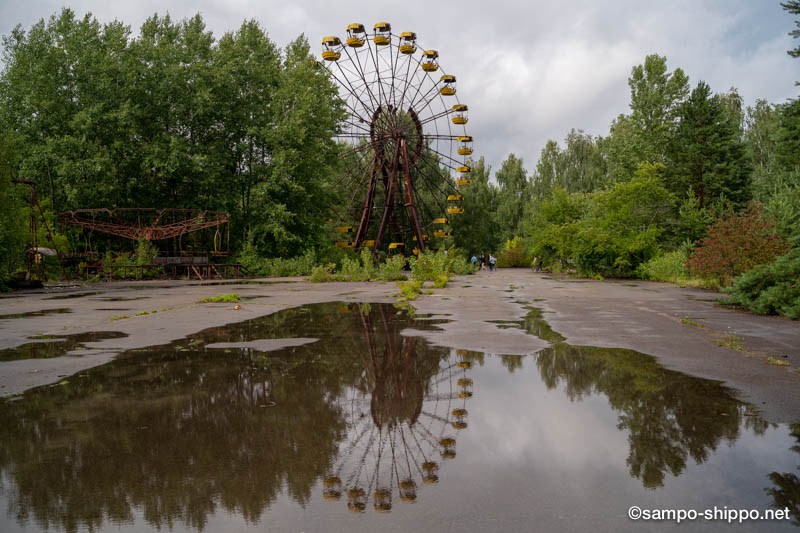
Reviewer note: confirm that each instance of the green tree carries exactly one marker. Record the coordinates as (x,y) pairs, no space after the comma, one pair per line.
(476,230)
(292,206)
(793,7)
(707,153)
(761,127)
(12,224)
(656,98)
(514,192)
(623,225)
(248,66)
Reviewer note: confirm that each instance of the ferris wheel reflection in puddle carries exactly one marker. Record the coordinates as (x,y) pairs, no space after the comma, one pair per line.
(402,421)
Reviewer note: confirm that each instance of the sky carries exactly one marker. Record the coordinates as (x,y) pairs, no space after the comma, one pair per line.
(529,70)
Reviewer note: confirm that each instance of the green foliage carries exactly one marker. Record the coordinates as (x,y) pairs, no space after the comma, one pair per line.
(736,243)
(513,192)
(656,96)
(361,267)
(771,288)
(553,225)
(793,7)
(477,229)
(409,290)
(392,269)
(322,273)
(12,226)
(146,252)
(707,154)
(431,266)
(173,117)
(256,265)
(514,254)
(608,232)
(357,268)
(669,266)
(231,297)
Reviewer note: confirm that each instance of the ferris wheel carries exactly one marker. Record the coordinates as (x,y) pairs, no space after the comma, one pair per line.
(405,141)
(401,421)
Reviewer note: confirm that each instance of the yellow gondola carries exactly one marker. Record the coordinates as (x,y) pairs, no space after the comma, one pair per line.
(367,244)
(408,42)
(440,220)
(345,244)
(454,197)
(344,229)
(465,148)
(356,35)
(449,85)
(463,182)
(332,48)
(415,251)
(424,238)
(464,169)
(441,234)
(455,210)
(460,116)
(430,64)
(383,33)
(395,245)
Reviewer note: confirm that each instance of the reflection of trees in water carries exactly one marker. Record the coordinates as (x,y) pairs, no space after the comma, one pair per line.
(400,418)
(181,431)
(785,491)
(669,416)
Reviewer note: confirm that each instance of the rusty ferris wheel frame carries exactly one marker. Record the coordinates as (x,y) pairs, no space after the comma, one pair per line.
(404,138)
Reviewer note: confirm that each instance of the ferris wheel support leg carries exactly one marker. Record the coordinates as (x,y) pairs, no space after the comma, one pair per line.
(387,212)
(412,210)
(369,202)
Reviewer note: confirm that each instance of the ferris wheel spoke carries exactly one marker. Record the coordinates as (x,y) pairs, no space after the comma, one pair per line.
(360,72)
(425,98)
(447,112)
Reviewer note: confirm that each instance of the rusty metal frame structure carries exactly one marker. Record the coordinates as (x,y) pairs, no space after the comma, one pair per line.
(151,224)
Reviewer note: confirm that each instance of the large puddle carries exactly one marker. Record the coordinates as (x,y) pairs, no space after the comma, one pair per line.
(354,427)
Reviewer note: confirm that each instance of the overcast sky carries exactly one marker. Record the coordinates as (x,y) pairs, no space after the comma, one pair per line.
(529,70)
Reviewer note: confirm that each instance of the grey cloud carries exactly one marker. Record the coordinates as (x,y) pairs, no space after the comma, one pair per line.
(529,71)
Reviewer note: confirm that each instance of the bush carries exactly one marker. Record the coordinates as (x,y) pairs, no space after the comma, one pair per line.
(277,267)
(429,266)
(736,243)
(409,290)
(514,254)
(770,289)
(392,269)
(670,266)
(322,273)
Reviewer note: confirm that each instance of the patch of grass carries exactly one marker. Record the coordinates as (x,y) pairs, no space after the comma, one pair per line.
(441,281)
(777,362)
(227,298)
(409,290)
(119,317)
(689,322)
(732,342)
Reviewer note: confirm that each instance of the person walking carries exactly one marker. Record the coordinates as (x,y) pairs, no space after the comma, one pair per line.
(492,262)
(474,262)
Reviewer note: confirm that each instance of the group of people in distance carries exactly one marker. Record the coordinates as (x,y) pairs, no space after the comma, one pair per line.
(483,261)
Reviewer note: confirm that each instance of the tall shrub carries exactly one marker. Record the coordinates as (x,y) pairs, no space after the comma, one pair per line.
(736,243)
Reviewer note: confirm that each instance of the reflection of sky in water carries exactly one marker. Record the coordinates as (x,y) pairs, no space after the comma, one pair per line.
(531,458)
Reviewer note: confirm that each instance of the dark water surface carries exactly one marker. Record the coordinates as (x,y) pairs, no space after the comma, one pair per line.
(365,429)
